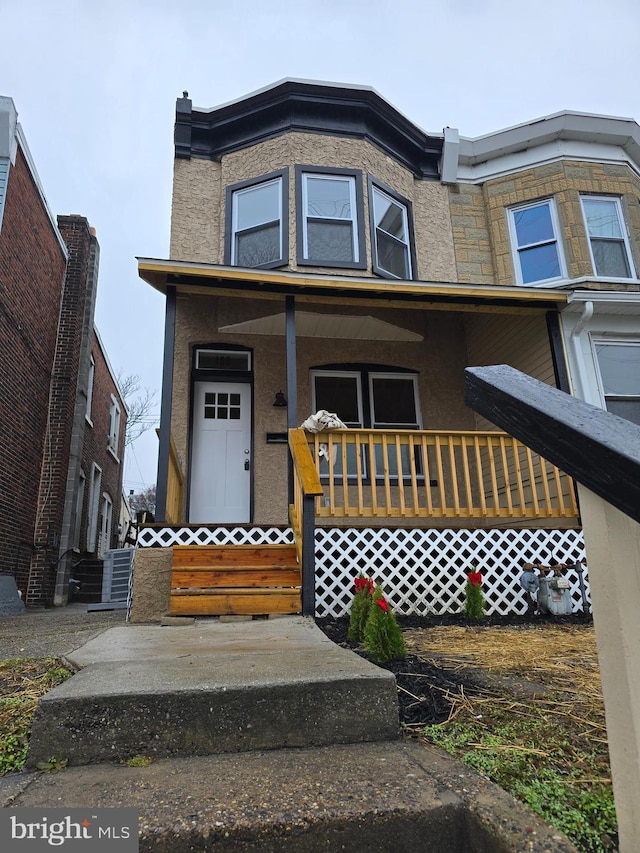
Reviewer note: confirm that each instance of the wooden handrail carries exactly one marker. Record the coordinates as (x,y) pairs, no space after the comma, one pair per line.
(303,463)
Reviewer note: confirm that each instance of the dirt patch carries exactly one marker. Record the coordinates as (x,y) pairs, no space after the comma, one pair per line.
(451,661)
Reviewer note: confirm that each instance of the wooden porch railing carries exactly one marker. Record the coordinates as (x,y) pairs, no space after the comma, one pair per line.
(306,488)
(407,474)
(175,488)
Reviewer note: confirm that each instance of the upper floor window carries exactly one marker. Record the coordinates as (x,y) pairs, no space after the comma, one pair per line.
(90,381)
(391,239)
(256,222)
(608,242)
(619,365)
(329,217)
(536,247)
(114,426)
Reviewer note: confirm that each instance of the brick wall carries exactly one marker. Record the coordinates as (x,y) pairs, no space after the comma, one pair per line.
(32,266)
(96,444)
(64,386)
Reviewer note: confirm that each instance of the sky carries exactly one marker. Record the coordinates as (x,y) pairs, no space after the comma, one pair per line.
(95,84)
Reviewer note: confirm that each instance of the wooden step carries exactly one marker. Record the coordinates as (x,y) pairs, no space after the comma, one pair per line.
(212,580)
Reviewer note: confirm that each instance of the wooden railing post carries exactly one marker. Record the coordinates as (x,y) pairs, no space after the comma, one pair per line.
(308,556)
(302,513)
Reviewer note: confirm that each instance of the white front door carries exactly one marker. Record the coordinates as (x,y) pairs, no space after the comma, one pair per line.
(221,453)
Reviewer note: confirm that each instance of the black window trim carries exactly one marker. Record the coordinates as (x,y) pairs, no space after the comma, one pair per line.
(283,174)
(361,263)
(387,190)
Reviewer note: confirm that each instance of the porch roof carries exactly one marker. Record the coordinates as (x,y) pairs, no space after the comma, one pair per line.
(192,277)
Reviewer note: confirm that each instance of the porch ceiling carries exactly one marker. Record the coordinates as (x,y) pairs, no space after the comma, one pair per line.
(310,325)
(240,282)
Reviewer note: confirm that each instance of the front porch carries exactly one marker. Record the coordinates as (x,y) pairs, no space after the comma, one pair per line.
(416,511)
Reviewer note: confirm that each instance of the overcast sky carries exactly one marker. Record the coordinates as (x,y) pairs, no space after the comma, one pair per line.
(95,83)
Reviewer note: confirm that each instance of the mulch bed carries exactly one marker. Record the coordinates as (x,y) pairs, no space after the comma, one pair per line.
(429,692)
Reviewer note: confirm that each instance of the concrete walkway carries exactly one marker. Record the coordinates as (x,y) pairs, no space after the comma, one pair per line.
(345,782)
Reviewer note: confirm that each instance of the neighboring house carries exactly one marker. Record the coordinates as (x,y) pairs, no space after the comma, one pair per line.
(48,282)
(326,254)
(554,204)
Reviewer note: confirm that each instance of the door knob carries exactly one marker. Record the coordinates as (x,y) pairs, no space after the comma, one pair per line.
(247,464)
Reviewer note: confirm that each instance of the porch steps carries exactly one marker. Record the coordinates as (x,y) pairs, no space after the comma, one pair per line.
(217,580)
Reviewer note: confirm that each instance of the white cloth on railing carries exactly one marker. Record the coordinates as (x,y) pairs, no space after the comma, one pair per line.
(320,421)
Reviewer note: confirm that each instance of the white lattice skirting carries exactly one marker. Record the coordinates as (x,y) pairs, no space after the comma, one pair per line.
(422,571)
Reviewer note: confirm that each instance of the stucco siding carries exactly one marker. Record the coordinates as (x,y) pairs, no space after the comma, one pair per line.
(439,361)
(197,231)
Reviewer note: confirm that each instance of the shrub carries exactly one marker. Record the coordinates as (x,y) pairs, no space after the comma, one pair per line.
(383,640)
(474,597)
(360,607)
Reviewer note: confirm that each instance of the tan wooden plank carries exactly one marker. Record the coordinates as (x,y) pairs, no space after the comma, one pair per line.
(303,462)
(239,578)
(233,604)
(209,555)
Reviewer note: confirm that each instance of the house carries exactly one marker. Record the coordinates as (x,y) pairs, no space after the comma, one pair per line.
(49,351)
(328,254)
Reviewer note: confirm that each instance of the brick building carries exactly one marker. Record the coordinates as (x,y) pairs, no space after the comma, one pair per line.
(48,282)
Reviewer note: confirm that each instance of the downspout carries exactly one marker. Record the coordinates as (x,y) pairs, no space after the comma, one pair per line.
(587,314)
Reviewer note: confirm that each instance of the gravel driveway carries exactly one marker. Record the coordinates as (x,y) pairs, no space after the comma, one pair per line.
(55,631)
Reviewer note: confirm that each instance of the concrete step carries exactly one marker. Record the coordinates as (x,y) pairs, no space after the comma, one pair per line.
(210,687)
(366,798)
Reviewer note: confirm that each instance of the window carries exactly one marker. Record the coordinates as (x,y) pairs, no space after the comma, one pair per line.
(106,520)
(90,381)
(369,398)
(94,507)
(391,239)
(534,237)
(619,364)
(329,217)
(256,228)
(607,237)
(114,426)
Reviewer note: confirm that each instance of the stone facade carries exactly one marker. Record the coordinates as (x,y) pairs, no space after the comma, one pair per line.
(480,223)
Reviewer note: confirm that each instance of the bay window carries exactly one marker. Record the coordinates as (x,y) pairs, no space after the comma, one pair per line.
(256,222)
(608,243)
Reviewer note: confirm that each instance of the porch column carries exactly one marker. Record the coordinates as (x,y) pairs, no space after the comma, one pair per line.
(292,371)
(165,405)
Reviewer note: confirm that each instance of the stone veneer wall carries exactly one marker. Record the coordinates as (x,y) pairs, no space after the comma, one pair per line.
(480,224)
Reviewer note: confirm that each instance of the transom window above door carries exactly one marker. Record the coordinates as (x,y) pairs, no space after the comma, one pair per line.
(537,252)
(256,226)
(329,217)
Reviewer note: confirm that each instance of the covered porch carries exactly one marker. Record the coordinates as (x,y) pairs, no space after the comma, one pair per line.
(449,479)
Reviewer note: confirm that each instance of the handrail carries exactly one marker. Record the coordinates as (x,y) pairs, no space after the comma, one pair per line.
(597,448)
(303,463)
(175,486)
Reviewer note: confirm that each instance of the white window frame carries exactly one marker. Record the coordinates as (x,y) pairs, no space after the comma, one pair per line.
(235,194)
(90,380)
(95,489)
(516,249)
(106,516)
(82,480)
(347,374)
(404,206)
(114,427)
(413,377)
(599,340)
(623,230)
(354,179)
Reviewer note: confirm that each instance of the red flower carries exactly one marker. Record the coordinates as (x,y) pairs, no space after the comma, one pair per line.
(475,578)
(363,583)
(382,604)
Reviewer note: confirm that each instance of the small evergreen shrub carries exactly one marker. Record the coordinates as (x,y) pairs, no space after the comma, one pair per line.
(383,640)
(474,597)
(360,607)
